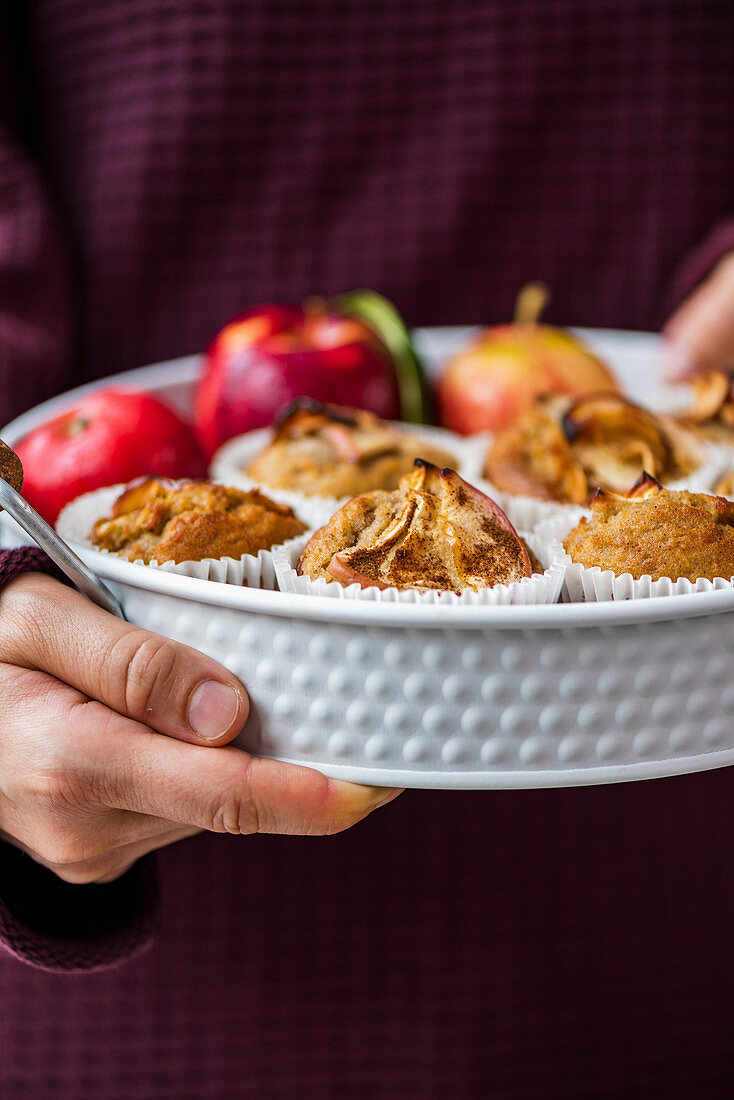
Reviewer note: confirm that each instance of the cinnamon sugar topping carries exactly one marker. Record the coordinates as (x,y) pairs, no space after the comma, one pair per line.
(434,532)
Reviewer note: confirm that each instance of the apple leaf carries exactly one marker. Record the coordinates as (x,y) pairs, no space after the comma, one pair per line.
(382,316)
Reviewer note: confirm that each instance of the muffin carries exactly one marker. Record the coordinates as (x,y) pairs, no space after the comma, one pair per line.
(159,521)
(330,451)
(712,414)
(563,449)
(725,485)
(434,532)
(656,532)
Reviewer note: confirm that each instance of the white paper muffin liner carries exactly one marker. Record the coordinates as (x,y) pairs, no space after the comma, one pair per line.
(229,463)
(541,588)
(228,468)
(250,571)
(473,451)
(525,513)
(594,584)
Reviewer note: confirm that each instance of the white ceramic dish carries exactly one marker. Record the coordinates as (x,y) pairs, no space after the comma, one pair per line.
(476,697)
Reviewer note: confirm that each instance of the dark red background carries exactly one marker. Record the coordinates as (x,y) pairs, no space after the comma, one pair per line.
(165,163)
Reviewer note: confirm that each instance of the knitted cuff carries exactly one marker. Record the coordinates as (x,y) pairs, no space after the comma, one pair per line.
(49,923)
(26,559)
(53,925)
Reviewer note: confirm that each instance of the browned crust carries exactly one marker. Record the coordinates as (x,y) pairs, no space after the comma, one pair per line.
(434,532)
(330,450)
(563,449)
(659,533)
(713,407)
(154,520)
(533,457)
(725,485)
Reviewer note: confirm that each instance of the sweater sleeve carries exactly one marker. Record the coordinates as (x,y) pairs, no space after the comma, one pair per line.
(697,263)
(43,920)
(37,282)
(50,923)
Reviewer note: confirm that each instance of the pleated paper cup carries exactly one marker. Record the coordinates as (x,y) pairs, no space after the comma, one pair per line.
(525,513)
(231,460)
(77,519)
(583,584)
(228,468)
(541,588)
(471,450)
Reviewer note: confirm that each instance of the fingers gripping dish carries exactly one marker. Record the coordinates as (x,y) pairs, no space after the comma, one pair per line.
(434,532)
(564,449)
(656,532)
(327,450)
(159,520)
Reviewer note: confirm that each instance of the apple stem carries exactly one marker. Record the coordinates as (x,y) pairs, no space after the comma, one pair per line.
(530,303)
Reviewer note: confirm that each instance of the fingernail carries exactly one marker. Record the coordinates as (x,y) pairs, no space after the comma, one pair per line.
(390,796)
(677,362)
(213,708)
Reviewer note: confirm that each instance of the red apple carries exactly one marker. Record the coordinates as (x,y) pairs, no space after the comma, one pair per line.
(488,384)
(108,437)
(273,353)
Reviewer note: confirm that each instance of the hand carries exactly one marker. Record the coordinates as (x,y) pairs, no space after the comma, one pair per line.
(87,782)
(700,334)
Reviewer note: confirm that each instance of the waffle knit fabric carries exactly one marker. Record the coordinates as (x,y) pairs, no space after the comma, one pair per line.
(164,163)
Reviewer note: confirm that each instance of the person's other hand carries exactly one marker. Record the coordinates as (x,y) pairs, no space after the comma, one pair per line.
(699,336)
(88,784)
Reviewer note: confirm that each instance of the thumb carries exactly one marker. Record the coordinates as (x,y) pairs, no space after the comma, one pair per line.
(169,687)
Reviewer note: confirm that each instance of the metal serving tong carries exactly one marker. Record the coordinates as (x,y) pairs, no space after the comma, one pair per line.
(11,482)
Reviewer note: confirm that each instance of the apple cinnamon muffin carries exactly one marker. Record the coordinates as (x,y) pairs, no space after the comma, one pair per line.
(656,532)
(159,520)
(712,414)
(725,485)
(563,449)
(434,532)
(330,451)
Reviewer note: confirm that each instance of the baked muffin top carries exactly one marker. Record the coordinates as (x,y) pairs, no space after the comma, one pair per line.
(712,414)
(158,520)
(725,485)
(657,532)
(564,449)
(328,450)
(433,532)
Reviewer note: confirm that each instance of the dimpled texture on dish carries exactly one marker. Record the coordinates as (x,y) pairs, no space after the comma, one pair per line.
(477,708)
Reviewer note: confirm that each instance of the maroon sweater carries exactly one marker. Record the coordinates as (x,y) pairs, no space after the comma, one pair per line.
(164,163)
